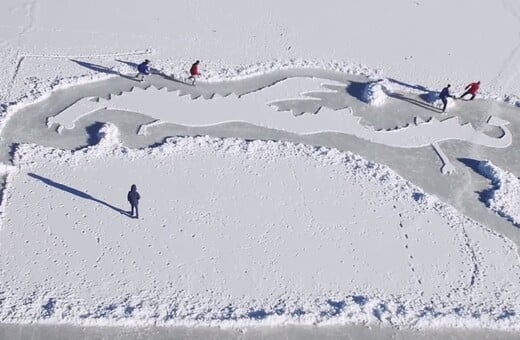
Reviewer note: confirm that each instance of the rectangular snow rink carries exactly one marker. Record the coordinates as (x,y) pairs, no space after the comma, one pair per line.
(237,232)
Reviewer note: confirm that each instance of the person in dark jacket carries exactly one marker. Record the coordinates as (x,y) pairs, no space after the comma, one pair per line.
(134,197)
(471,89)
(143,69)
(194,72)
(445,93)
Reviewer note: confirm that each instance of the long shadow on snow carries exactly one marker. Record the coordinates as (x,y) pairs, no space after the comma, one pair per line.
(134,66)
(412,86)
(75,192)
(414,102)
(485,195)
(100,68)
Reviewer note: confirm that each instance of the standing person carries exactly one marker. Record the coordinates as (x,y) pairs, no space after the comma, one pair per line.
(194,72)
(471,89)
(143,69)
(134,197)
(445,93)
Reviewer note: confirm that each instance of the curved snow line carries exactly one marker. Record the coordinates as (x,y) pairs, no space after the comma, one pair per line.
(504,196)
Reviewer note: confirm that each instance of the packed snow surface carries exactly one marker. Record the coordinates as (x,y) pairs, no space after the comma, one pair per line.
(234,232)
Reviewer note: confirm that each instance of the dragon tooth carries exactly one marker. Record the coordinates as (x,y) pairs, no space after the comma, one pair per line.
(468,126)
(418,120)
(451,121)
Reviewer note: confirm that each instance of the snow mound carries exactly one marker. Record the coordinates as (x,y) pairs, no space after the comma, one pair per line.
(108,136)
(504,197)
(375,93)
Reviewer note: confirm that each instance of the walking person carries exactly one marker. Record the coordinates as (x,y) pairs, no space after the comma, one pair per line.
(471,89)
(143,69)
(134,197)
(445,93)
(194,72)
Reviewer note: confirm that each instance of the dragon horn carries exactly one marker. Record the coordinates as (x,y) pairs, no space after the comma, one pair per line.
(495,121)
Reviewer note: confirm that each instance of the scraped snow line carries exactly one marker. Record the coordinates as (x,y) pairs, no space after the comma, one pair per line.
(236,233)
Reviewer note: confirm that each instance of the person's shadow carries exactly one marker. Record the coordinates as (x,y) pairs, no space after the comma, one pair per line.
(76,192)
(134,66)
(100,68)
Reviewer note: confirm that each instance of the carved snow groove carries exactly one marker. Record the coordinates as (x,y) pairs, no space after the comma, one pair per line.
(199,110)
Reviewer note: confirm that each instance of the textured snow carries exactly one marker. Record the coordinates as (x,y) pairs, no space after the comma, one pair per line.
(374,93)
(40,39)
(237,233)
(504,195)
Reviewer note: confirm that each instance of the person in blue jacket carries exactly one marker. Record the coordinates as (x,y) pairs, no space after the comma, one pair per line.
(445,93)
(143,69)
(134,197)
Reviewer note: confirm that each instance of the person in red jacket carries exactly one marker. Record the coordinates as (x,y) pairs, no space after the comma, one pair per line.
(471,89)
(194,72)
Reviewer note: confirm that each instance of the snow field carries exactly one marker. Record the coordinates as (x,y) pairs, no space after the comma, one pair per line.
(237,233)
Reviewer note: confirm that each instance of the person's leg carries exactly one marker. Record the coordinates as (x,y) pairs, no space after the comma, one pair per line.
(472,96)
(464,95)
(133,208)
(136,211)
(445,103)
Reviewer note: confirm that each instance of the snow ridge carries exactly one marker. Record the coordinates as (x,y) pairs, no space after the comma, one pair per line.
(504,196)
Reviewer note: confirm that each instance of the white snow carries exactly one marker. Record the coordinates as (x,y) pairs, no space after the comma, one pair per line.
(417,42)
(235,232)
(504,195)
(374,93)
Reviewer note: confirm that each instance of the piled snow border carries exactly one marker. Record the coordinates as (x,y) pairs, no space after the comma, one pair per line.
(504,196)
